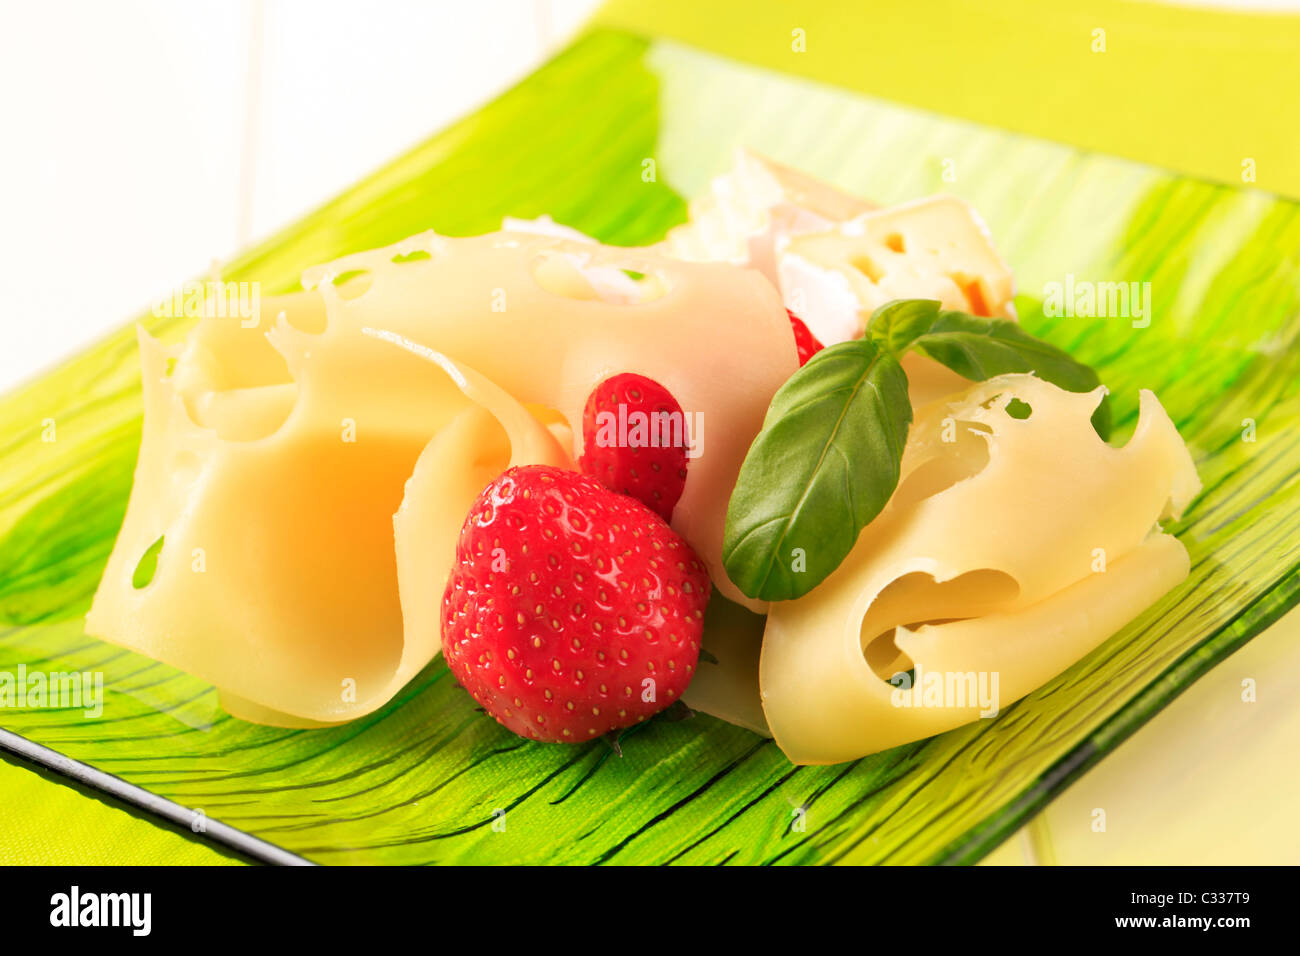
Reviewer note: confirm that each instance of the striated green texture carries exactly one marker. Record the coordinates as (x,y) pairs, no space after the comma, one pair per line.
(420,781)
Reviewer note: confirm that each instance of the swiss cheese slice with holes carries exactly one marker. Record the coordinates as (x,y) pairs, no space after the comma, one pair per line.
(1010,549)
(547,319)
(274,502)
(306,474)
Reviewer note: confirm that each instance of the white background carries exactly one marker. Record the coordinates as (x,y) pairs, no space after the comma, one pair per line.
(143,139)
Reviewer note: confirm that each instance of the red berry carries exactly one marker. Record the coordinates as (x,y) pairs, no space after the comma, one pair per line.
(805,342)
(570,610)
(635,441)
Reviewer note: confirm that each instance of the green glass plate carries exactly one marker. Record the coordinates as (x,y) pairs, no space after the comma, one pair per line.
(425,779)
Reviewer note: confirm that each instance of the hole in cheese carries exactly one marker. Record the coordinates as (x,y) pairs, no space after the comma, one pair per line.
(964,457)
(972,291)
(577,276)
(1018,409)
(884,658)
(868,267)
(233,379)
(354,283)
(916,600)
(894,242)
(244,414)
(147,565)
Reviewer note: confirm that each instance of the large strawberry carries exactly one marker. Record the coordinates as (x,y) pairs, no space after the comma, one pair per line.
(805,343)
(635,441)
(570,610)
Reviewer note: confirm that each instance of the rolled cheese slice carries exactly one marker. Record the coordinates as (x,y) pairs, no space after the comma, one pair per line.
(1011,548)
(306,472)
(543,318)
(725,684)
(277,579)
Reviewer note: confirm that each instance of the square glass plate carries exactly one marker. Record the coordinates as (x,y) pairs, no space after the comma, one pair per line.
(422,780)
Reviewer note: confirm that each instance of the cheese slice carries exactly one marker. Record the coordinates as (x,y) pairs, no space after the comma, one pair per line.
(277,580)
(725,684)
(1010,549)
(526,312)
(597,282)
(490,433)
(502,434)
(751,209)
(935,248)
(307,475)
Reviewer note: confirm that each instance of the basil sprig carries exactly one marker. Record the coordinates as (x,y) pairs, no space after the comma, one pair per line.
(827,458)
(980,348)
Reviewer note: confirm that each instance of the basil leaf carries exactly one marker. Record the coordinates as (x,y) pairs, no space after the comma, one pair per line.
(979,348)
(824,464)
(827,458)
(896,324)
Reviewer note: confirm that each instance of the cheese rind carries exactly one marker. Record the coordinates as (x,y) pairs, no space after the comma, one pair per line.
(935,248)
(751,210)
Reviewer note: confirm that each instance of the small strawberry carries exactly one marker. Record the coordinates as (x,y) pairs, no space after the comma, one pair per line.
(571,610)
(805,342)
(635,440)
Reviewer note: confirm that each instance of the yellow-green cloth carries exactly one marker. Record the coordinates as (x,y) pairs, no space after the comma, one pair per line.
(1205,92)
(43,823)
